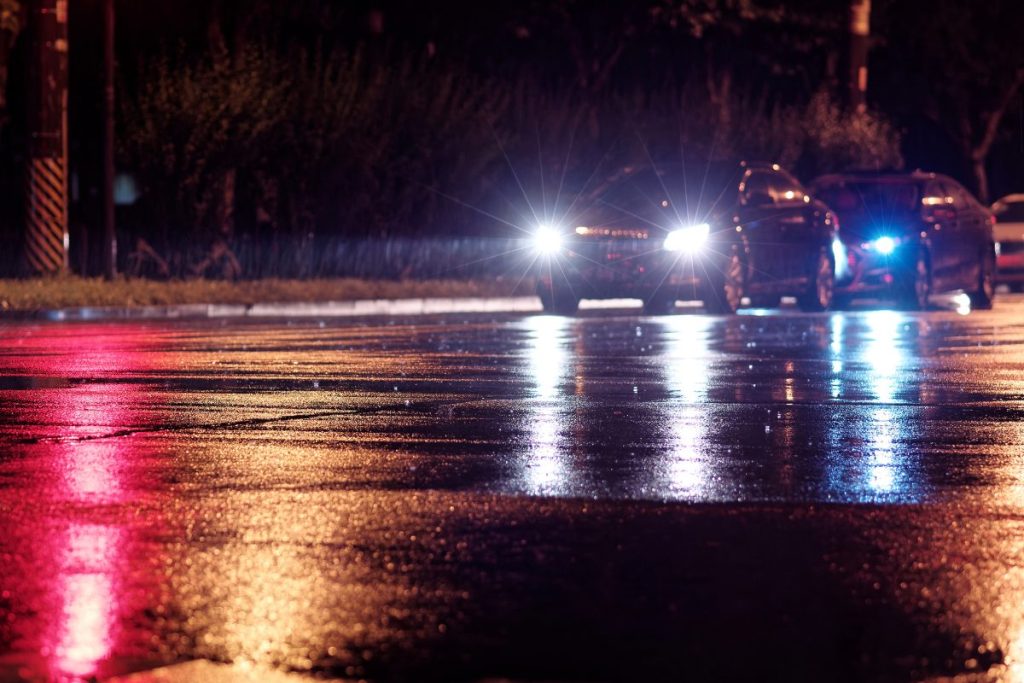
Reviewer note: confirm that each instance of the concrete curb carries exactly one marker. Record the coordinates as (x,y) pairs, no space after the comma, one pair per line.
(328,309)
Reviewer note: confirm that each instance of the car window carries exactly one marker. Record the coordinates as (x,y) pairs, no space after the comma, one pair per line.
(757,184)
(669,192)
(961,199)
(1009,212)
(873,197)
(785,188)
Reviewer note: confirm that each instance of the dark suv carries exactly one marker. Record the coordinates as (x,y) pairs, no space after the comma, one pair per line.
(715,232)
(904,236)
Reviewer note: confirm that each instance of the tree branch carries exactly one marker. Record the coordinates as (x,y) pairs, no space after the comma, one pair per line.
(995,118)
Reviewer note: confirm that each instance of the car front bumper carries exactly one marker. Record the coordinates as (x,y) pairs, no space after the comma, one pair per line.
(603,270)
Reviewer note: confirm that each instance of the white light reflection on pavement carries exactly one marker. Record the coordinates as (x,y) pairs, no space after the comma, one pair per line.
(885,359)
(882,354)
(837,326)
(687,472)
(869,459)
(545,471)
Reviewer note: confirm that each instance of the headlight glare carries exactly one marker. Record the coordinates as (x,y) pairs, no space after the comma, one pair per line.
(689,239)
(547,240)
(884,245)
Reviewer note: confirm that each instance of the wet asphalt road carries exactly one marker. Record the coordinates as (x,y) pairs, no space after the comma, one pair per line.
(607,497)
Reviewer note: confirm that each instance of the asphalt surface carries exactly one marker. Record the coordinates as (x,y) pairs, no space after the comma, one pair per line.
(475,497)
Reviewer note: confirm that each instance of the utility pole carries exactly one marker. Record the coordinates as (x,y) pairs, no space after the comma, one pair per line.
(860,36)
(107,183)
(46,239)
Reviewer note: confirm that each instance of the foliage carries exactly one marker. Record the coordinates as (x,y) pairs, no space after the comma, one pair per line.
(351,146)
(271,139)
(50,293)
(961,63)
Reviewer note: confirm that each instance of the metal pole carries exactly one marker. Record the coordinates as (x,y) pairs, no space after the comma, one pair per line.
(46,239)
(860,36)
(107,184)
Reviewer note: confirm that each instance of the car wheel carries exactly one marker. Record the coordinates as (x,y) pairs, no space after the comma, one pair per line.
(724,291)
(821,284)
(915,287)
(982,297)
(557,300)
(660,303)
(1016,287)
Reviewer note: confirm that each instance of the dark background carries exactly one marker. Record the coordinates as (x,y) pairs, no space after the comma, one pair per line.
(277,128)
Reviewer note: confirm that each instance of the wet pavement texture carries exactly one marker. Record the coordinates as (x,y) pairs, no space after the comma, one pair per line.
(604,497)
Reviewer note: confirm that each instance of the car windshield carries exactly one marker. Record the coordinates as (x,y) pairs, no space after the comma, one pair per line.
(1009,212)
(871,197)
(673,193)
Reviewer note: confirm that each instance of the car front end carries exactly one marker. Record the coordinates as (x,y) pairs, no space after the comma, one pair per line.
(869,266)
(625,262)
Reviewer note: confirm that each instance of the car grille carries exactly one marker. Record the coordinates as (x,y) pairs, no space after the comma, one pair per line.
(606,252)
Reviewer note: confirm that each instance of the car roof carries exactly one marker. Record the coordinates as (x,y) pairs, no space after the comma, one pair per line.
(1016,198)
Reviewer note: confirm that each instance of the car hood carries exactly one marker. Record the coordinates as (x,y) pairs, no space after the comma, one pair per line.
(611,223)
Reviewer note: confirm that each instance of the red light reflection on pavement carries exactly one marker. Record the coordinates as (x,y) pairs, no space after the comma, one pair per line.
(82,578)
(86,587)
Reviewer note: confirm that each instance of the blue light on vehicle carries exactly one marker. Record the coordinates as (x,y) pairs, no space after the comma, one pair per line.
(689,239)
(884,245)
(841,258)
(547,240)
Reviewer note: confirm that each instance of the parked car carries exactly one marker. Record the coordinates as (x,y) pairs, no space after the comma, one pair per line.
(715,232)
(1009,213)
(905,236)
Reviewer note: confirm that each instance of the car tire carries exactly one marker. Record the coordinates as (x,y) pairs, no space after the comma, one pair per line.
(724,290)
(660,303)
(558,300)
(821,283)
(983,296)
(915,285)
(1015,287)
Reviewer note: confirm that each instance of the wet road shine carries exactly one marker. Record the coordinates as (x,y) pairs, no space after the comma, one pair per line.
(605,497)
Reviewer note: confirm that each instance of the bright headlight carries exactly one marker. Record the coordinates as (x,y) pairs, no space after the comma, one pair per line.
(688,239)
(547,240)
(884,245)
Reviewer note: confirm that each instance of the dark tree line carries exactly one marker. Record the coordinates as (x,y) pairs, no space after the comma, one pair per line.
(283,123)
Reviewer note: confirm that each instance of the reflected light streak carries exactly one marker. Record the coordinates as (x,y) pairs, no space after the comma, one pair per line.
(545,470)
(687,374)
(87,592)
(89,557)
(882,466)
(837,329)
(548,355)
(883,355)
(90,472)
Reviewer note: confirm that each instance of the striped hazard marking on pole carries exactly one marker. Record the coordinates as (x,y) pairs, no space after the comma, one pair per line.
(46,245)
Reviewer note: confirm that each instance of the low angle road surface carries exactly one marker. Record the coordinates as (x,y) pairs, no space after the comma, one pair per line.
(517,497)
